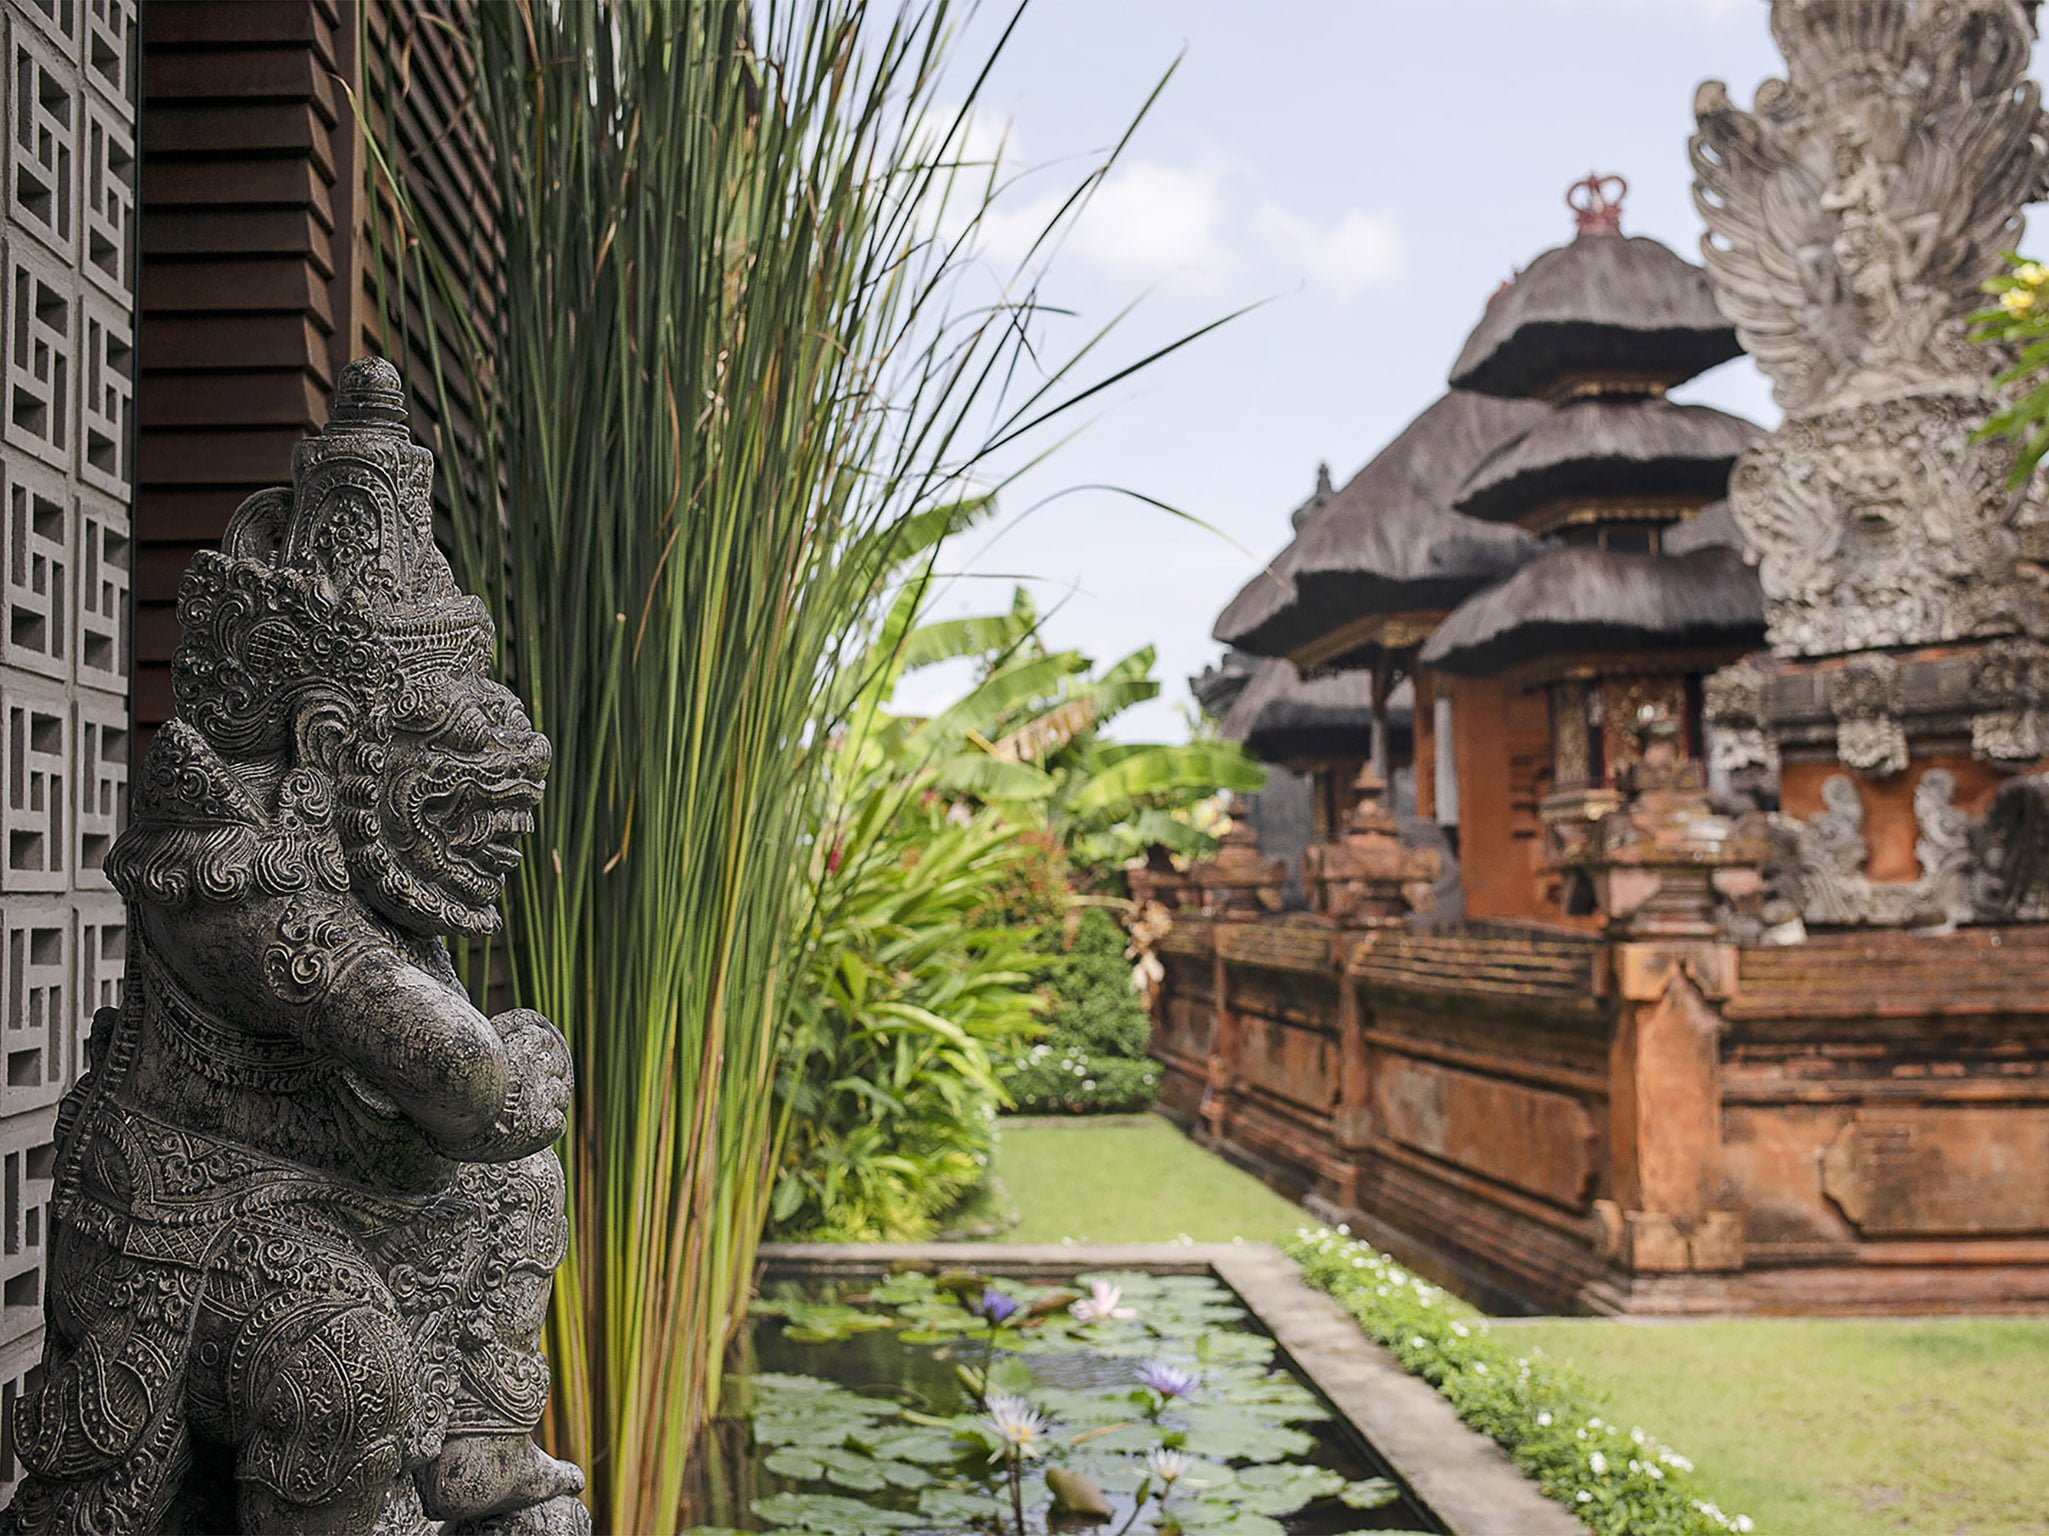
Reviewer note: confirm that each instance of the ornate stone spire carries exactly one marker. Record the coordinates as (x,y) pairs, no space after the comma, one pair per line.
(1851,215)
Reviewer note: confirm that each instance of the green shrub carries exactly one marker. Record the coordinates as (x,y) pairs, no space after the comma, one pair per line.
(915,990)
(1093,1059)
(1619,1482)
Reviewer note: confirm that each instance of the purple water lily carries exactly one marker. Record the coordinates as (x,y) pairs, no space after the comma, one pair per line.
(1169,1381)
(995,1308)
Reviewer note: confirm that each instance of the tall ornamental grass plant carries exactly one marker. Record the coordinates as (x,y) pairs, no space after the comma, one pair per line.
(738,362)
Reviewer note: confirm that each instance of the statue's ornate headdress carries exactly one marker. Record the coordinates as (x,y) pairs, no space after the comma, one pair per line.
(331,588)
(327,624)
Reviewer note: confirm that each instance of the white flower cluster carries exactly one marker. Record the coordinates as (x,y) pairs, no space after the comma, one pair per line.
(1075,1062)
(1728,1522)
(1456,1350)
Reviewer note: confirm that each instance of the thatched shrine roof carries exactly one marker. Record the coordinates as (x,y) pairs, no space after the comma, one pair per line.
(1584,599)
(1281,717)
(1607,305)
(1387,540)
(1609,448)
(1218,685)
(1323,493)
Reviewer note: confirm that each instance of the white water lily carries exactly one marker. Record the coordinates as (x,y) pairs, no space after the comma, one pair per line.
(1018,1425)
(1103,1304)
(1168,1466)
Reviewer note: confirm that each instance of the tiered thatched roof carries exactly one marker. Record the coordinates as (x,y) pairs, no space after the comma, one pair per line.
(1601,327)
(1281,718)
(1604,448)
(1557,416)
(1217,686)
(1607,305)
(1582,600)
(1387,541)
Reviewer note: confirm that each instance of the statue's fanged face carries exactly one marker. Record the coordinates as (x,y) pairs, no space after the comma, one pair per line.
(461,777)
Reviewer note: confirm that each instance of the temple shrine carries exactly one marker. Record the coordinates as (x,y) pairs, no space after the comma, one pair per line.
(1669,934)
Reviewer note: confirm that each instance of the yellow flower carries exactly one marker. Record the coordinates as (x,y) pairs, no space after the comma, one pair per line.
(2033,273)
(2017,301)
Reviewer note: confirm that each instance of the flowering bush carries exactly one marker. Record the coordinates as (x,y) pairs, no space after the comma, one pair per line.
(2018,324)
(1093,1060)
(1620,1482)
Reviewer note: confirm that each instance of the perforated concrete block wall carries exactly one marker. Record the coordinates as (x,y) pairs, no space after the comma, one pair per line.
(67,398)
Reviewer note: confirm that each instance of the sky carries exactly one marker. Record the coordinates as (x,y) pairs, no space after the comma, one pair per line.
(1370,169)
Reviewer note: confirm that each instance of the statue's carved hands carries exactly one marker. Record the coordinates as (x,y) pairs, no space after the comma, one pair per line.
(537,1085)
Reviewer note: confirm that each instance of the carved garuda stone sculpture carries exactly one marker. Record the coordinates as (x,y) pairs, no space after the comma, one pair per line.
(1851,216)
(306,1218)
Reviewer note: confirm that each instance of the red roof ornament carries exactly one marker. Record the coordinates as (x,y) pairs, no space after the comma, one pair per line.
(1596,203)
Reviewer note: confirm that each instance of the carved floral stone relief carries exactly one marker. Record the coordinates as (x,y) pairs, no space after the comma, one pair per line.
(1865,699)
(2009,690)
(1740,751)
(1818,864)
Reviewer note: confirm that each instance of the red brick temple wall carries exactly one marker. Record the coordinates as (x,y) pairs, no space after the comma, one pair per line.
(1553,1121)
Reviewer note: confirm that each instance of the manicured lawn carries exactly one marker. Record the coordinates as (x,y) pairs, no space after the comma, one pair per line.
(1131,1180)
(1812,1428)
(1827,1428)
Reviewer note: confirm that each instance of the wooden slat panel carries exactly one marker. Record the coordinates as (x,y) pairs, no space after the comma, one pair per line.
(244,132)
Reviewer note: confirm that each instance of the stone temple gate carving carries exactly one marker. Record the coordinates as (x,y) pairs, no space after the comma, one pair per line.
(306,1218)
(1852,213)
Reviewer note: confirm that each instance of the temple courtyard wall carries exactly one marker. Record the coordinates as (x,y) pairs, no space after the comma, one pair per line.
(1557,1121)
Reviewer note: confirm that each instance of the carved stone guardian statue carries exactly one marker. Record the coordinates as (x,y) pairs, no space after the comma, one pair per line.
(306,1218)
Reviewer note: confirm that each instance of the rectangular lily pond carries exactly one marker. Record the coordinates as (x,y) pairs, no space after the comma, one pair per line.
(935,1402)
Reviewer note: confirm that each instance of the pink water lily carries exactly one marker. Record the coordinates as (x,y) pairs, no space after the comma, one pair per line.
(1103,1304)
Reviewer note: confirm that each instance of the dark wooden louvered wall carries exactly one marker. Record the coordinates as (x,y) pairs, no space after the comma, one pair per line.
(266,252)
(247,192)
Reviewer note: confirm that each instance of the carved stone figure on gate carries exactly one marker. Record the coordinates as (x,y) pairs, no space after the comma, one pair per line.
(1851,215)
(306,1219)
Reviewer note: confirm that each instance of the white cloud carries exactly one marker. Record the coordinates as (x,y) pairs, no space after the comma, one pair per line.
(1205,226)
(1359,250)
(1149,219)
